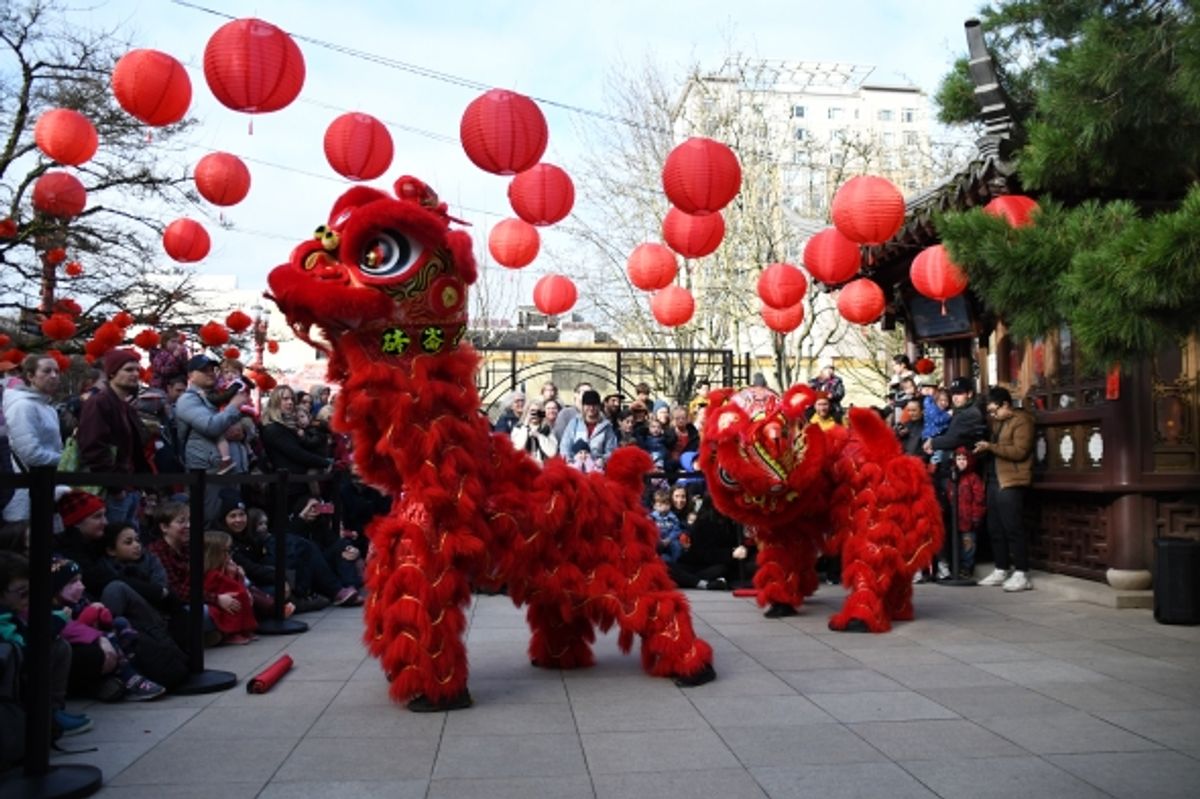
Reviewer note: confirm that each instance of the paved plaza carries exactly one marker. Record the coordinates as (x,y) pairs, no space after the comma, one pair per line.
(986,694)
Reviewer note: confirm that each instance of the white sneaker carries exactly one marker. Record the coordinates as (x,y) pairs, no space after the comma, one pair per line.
(943,570)
(918,577)
(1018,582)
(997,577)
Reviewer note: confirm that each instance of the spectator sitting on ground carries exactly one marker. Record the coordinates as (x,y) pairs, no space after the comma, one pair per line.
(137,568)
(249,551)
(33,432)
(670,545)
(709,561)
(334,557)
(229,602)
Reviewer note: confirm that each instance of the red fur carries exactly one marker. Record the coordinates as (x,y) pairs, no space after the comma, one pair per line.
(851,492)
(578,550)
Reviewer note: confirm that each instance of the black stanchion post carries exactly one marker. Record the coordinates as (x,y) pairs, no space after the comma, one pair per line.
(201,680)
(38,779)
(955,541)
(278,625)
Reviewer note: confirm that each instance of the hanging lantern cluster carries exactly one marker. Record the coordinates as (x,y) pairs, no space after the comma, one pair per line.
(59,327)
(831,258)
(503,132)
(358,146)
(935,276)
(868,209)
(152,87)
(67,136)
(186,241)
(253,67)
(222,179)
(514,243)
(65,305)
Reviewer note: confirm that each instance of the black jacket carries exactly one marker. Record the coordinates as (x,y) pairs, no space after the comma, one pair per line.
(287,451)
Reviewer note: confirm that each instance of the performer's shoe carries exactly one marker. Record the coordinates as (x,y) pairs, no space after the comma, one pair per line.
(423,704)
(778,610)
(706,674)
(856,626)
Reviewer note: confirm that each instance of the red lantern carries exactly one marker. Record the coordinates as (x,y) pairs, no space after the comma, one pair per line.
(65,305)
(56,256)
(861,301)
(934,275)
(12,356)
(66,136)
(122,319)
(238,321)
(554,295)
(107,336)
(58,327)
(358,146)
(73,269)
(253,66)
(542,195)
(8,228)
(5,340)
(831,258)
(503,132)
(147,339)
(672,306)
(923,366)
(783,320)
(1017,209)
(514,243)
(152,87)
(263,380)
(868,209)
(213,334)
(186,240)
(59,194)
(693,236)
(651,267)
(701,176)
(232,353)
(782,285)
(64,363)
(222,179)
(272,346)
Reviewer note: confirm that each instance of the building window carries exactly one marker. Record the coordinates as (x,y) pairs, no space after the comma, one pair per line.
(911,139)
(886,115)
(838,135)
(908,115)
(797,112)
(801,134)
(835,113)
(837,158)
(889,139)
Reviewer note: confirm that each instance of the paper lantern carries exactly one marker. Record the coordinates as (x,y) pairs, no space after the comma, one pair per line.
(12,356)
(238,321)
(213,334)
(59,194)
(232,353)
(1017,209)
(252,66)
(831,258)
(8,228)
(358,146)
(935,276)
(503,132)
(147,339)
(693,236)
(73,269)
(782,285)
(672,306)
(783,320)
(868,209)
(222,179)
(58,327)
(861,301)
(701,176)
(514,243)
(152,87)
(554,295)
(122,319)
(66,136)
(263,380)
(65,305)
(272,346)
(64,363)
(542,195)
(108,335)
(923,366)
(56,255)
(186,240)
(5,340)
(651,267)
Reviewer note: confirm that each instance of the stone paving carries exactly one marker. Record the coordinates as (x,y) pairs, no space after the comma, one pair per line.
(986,694)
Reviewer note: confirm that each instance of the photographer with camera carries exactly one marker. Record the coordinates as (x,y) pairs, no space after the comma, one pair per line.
(534,434)
(203,429)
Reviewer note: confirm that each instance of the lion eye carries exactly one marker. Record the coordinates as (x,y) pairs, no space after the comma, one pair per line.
(388,254)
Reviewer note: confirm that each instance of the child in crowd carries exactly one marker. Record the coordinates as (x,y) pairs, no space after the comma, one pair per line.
(670,547)
(581,458)
(683,507)
(654,442)
(137,568)
(971,510)
(937,418)
(229,382)
(225,591)
(91,628)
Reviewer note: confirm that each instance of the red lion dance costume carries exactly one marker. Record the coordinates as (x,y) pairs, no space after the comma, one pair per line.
(386,281)
(803,489)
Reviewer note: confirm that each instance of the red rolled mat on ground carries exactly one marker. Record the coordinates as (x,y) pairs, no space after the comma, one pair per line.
(272,674)
(745,592)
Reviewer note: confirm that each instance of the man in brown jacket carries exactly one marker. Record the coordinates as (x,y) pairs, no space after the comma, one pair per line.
(1009,475)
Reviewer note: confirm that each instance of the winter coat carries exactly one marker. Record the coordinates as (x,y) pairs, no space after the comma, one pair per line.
(1012,449)
(200,425)
(602,442)
(111,435)
(33,435)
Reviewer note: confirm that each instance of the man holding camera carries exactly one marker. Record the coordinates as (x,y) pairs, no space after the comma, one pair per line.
(202,426)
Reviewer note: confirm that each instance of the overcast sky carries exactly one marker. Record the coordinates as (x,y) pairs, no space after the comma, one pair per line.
(561,50)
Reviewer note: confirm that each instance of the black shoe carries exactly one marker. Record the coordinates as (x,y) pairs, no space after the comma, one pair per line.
(855,626)
(718,584)
(311,603)
(423,704)
(706,674)
(778,610)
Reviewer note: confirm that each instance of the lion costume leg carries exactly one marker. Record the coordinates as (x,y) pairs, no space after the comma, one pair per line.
(787,567)
(559,642)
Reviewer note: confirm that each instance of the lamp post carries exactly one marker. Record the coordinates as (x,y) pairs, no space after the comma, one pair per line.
(262,319)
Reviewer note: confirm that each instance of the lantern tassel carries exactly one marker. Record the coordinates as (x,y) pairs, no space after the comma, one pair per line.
(943,307)
(250,126)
